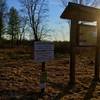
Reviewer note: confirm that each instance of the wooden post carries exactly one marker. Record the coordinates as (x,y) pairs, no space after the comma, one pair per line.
(97,57)
(43,80)
(43,66)
(73,37)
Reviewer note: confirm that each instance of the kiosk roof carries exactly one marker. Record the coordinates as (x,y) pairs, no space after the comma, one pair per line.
(80,12)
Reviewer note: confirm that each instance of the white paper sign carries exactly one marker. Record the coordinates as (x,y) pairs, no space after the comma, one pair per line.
(43,51)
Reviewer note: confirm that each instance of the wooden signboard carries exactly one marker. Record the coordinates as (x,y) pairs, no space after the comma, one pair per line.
(76,12)
(43,51)
(87,35)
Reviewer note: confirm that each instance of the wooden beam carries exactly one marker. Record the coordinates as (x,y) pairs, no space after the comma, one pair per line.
(97,57)
(80,12)
(73,35)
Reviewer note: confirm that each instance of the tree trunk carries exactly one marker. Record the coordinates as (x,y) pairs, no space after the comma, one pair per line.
(35,35)
(1,26)
(12,40)
(0,34)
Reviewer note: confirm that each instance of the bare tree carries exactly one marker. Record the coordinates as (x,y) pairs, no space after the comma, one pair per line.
(23,24)
(37,12)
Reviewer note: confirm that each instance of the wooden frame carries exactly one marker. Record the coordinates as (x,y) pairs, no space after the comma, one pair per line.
(76,13)
(84,29)
(80,12)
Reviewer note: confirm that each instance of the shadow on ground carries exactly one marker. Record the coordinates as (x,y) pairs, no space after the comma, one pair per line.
(90,90)
(12,95)
(65,90)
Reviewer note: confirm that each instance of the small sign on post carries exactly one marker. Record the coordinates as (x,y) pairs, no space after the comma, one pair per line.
(43,52)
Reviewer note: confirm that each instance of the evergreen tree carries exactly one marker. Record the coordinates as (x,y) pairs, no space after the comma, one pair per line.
(1,26)
(2,16)
(14,24)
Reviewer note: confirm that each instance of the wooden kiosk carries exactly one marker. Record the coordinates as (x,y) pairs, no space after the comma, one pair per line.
(76,13)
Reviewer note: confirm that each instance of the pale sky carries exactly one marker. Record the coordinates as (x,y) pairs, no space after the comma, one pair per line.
(59,27)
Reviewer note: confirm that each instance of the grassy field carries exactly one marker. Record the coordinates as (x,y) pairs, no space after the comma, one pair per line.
(20,75)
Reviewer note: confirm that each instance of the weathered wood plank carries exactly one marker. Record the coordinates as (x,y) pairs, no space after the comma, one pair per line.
(80,12)
(73,35)
(97,57)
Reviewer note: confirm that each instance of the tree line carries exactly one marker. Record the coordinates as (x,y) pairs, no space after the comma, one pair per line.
(31,20)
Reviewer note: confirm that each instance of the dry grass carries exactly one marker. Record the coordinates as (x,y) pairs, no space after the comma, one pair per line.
(19,77)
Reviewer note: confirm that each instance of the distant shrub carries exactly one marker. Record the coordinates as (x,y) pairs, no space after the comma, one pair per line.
(62,47)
